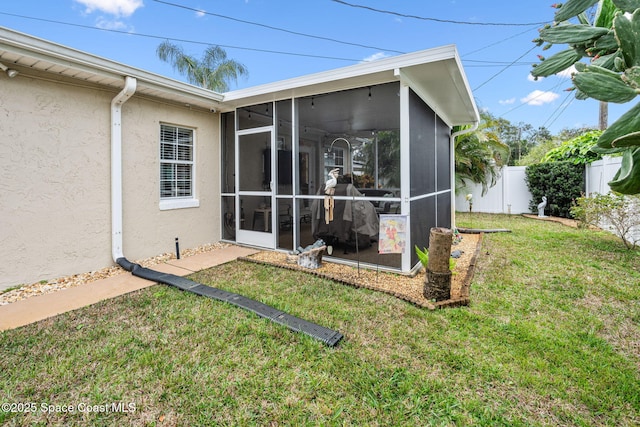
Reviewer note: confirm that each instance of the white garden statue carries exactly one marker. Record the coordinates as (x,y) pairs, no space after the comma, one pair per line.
(541,207)
(329,191)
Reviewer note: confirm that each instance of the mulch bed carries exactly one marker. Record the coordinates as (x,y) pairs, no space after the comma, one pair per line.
(405,287)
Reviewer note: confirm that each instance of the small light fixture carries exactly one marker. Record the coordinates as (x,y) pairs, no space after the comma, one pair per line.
(369,93)
(313,104)
(10,72)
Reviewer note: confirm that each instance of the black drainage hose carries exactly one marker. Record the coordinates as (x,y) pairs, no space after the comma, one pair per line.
(479,230)
(326,335)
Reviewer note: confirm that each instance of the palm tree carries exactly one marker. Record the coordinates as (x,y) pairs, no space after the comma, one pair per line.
(479,156)
(213,71)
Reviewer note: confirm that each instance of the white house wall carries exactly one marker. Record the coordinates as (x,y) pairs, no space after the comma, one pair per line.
(55,180)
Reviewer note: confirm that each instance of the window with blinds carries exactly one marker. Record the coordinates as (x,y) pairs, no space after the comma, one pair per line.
(176,162)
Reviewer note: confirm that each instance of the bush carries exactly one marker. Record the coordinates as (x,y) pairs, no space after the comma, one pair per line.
(618,213)
(561,182)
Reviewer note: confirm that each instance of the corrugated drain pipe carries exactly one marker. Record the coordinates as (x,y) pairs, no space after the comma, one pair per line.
(326,335)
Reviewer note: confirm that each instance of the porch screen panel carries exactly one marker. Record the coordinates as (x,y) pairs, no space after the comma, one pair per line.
(422,124)
(255,116)
(443,155)
(228,153)
(284,145)
(423,217)
(229,218)
(444,210)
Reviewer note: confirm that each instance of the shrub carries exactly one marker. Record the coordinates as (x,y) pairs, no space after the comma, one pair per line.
(561,182)
(621,214)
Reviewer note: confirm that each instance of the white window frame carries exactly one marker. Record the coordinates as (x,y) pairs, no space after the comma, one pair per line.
(178,202)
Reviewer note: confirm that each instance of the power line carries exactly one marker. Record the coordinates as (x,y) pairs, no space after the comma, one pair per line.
(446,21)
(277,28)
(505,68)
(561,112)
(181,40)
(498,42)
(535,97)
(495,63)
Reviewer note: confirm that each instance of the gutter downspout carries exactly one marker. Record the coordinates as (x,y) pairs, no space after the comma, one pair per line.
(453,168)
(127,92)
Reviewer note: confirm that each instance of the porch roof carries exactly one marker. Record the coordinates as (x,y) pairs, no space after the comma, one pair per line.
(436,75)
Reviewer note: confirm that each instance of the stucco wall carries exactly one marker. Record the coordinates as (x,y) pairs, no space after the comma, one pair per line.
(55,213)
(148,230)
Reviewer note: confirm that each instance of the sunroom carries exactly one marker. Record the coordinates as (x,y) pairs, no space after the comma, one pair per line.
(383,128)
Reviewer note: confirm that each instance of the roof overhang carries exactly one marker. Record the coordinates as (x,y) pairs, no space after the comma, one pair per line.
(436,75)
(24,53)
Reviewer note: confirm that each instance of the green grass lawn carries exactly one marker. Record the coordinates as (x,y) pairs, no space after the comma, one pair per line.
(552,337)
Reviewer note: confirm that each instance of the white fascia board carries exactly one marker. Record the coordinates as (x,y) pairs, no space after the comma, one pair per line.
(386,65)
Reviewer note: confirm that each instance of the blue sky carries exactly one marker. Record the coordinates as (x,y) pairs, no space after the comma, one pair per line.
(280,39)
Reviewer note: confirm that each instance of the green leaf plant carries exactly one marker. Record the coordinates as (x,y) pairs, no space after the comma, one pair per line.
(610,40)
(423,256)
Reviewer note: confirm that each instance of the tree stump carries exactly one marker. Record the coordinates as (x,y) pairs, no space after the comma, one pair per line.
(437,283)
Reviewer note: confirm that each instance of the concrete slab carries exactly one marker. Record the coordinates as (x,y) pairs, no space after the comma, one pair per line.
(41,307)
(207,259)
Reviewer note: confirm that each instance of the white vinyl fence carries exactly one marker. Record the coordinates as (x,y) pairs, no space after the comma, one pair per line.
(511,195)
(599,173)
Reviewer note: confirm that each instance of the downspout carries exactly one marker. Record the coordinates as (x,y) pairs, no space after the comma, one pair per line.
(453,168)
(116,167)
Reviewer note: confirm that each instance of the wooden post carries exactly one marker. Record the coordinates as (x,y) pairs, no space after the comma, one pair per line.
(437,283)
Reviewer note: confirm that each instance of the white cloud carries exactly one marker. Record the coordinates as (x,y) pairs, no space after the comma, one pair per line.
(507,101)
(107,24)
(567,73)
(201,13)
(374,57)
(533,79)
(113,7)
(538,97)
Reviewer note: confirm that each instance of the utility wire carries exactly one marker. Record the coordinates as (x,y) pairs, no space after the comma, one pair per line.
(566,105)
(506,68)
(277,28)
(522,104)
(446,21)
(495,63)
(497,43)
(182,40)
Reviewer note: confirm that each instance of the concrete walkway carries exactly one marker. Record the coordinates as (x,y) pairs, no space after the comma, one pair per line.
(41,307)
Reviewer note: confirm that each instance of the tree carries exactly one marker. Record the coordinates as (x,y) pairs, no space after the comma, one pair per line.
(479,155)
(612,42)
(521,138)
(213,71)
(576,150)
